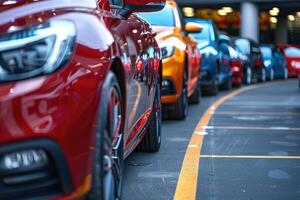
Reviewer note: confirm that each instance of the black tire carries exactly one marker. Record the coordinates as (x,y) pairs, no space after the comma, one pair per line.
(107,166)
(238,85)
(227,85)
(152,139)
(181,106)
(195,98)
(286,73)
(263,76)
(272,76)
(247,76)
(213,89)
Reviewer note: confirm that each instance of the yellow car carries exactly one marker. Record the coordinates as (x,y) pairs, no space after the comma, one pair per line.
(181,60)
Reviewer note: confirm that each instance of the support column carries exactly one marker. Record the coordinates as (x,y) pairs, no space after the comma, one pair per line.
(281,34)
(249,21)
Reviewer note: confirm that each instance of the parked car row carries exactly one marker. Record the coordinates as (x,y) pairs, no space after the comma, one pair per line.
(228,61)
(85,83)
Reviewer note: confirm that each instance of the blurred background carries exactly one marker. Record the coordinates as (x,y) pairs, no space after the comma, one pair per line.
(265,21)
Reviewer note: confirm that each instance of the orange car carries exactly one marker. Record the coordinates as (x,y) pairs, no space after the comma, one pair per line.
(181,59)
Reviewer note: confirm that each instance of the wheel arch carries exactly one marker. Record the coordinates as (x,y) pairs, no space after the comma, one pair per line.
(118,70)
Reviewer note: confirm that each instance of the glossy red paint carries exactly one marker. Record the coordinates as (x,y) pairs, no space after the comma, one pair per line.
(293,63)
(63,106)
(259,63)
(237,72)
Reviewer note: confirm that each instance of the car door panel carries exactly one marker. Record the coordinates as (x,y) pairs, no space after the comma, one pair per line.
(131,41)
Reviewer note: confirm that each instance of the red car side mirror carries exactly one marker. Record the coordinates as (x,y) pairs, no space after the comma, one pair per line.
(144,5)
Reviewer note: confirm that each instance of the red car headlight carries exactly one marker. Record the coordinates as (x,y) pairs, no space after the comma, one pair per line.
(36,50)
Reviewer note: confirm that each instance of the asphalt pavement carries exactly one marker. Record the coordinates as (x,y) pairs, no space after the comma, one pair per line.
(250,150)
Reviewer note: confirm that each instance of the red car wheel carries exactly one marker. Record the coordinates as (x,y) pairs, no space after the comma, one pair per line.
(108,157)
(152,139)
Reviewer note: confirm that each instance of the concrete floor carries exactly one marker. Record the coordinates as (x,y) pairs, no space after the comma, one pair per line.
(251,151)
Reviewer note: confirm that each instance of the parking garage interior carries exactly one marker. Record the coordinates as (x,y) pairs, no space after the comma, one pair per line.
(273,21)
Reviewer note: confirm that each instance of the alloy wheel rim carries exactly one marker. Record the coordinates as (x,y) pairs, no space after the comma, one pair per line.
(112,148)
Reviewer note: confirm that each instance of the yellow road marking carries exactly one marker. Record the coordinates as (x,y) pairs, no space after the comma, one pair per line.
(255,113)
(249,157)
(252,128)
(187,183)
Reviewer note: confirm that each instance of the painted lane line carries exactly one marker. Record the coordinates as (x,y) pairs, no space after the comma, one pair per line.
(202,133)
(256,113)
(193,146)
(187,183)
(249,157)
(284,128)
(251,128)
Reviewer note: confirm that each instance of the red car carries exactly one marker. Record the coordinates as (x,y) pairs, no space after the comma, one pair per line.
(79,91)
(236,67)
(292,56)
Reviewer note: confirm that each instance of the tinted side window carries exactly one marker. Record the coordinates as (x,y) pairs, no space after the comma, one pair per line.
(243,45)
(204,35)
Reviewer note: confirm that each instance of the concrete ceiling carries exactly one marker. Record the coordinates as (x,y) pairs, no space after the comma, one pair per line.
(285,5)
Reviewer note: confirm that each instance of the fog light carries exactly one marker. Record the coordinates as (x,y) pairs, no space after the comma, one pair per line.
(24,159)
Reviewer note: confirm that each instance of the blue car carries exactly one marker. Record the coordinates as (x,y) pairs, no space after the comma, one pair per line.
(215,60)
(274,61)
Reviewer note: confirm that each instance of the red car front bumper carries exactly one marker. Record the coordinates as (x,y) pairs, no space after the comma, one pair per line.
(55,113)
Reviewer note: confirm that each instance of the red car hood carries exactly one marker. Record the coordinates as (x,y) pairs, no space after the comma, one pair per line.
(12,10)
